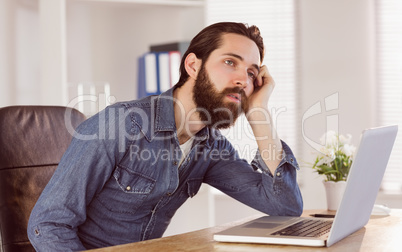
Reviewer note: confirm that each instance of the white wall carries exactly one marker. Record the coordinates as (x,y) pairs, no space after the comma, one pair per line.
(105,40)
(103,43)
(19,52)
(337,56)
(4,55)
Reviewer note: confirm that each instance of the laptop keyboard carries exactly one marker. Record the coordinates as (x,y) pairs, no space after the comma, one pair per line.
(307,228)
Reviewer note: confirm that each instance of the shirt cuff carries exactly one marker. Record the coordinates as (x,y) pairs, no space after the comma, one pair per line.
(287,158)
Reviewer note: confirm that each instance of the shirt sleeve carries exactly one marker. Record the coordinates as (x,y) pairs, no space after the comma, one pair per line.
(254,185)
(83,170)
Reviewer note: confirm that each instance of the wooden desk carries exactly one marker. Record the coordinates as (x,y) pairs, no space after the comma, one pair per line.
(382,233)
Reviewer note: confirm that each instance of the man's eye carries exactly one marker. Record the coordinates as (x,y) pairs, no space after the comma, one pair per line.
(229,62)
(251,75)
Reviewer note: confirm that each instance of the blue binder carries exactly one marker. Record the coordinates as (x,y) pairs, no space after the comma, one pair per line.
(148,75)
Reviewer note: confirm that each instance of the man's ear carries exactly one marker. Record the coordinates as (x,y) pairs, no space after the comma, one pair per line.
(192,65)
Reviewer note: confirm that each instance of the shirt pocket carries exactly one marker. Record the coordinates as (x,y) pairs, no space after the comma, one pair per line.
(126,190)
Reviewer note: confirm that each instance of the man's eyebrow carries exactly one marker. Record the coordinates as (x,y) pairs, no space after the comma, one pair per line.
(242,59)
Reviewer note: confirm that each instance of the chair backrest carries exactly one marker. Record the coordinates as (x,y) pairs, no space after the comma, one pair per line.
(32,142)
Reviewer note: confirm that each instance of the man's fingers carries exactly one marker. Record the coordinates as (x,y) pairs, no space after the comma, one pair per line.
(264,77)
(260,76)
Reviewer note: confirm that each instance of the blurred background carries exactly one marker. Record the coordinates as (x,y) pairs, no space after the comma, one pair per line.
(337,65)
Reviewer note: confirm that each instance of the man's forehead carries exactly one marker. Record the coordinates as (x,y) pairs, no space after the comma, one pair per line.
(244,47)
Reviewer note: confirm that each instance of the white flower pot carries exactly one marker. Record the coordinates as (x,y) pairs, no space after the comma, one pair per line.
(334,192)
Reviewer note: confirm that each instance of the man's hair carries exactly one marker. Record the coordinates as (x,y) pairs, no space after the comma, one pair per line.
(210,39)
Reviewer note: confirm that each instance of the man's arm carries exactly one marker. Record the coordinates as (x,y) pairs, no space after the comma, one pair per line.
(269,144)
(84,169)
(253,184)
(274,190)
(260,120)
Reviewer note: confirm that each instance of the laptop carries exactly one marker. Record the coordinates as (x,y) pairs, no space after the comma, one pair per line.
(354,211)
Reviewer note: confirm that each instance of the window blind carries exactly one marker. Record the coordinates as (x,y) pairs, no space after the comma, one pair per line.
(276,21)
(389,82)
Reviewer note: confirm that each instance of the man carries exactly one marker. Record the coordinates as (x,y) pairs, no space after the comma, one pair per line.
(130,167)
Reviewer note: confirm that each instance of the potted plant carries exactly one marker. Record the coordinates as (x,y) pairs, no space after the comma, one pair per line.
(334,161)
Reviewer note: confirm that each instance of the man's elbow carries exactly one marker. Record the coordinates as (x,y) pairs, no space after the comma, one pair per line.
(32,234)
(293,207)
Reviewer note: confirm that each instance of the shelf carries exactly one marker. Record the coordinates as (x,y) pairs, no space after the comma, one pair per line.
(105,38)
(189,3)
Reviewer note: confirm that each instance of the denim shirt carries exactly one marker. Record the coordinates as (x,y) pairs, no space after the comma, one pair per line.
(120,179)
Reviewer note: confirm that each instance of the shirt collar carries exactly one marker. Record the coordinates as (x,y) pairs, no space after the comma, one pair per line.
(164,115)
(164,112)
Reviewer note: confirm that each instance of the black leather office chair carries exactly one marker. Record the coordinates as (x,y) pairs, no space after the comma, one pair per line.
(32,142)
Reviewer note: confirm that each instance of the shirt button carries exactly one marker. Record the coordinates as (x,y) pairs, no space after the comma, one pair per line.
(291,160)
(278,174)
(174,163)
(169,194)
(128,188)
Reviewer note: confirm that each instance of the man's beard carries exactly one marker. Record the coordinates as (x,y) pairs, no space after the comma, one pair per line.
(212,108)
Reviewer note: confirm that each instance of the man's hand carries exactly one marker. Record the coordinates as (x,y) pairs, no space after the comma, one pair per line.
(263,88)
(260,120)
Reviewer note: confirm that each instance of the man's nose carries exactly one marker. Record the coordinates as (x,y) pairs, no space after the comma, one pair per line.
(242,79)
